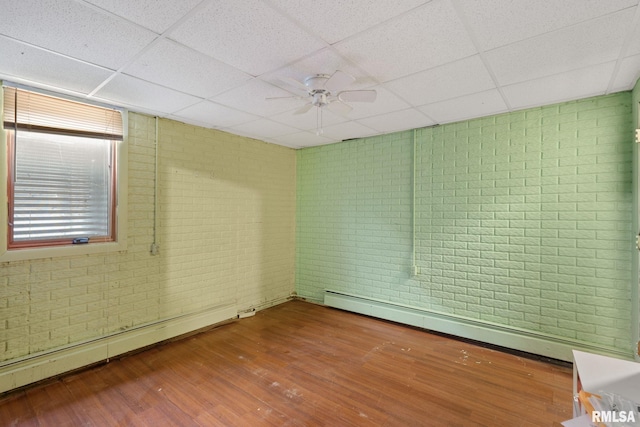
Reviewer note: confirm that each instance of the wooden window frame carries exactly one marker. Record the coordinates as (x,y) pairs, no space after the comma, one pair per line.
(11,129)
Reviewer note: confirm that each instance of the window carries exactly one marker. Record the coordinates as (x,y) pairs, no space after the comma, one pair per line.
(61,170)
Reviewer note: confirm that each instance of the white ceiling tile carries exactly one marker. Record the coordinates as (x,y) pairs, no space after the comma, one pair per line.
(132,92)
(325,61)
(567,86)
(215,115)
(396,121)
(333,23)
(280,143)
(263,128)
(189,121)
(334,142)
(429,36)
(451,80)
(628,74)
(252,98)
(634,40)
(74,29)
(301,139)
(385,102)
(157,15)
(498,22)
(347,130)
(308,120)
(466,107)
(248,35)
(23,62)
(244,134)
(173,65)
(227,57)
(564,50)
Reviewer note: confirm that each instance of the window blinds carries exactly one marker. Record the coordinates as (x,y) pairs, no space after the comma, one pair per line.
(36,112)
(61,187)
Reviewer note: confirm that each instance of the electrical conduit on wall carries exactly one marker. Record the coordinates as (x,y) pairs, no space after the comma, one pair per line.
(155,248)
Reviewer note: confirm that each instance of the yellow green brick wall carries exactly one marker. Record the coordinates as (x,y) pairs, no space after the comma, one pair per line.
(226,230)
(522,220)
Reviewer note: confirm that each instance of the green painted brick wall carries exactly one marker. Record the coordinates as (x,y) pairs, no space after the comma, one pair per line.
(522,219)
(354,217)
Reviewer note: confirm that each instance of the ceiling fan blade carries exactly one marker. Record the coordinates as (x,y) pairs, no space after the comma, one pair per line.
(289,81)
(303,109)
(284,97)
(339,80)
(340,108)
(357,96)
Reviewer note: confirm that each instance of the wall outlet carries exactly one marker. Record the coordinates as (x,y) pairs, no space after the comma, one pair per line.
(415,270)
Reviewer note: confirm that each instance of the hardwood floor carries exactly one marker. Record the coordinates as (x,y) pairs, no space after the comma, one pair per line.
(300,364)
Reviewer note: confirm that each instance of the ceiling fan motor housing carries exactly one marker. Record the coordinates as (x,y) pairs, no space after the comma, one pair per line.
(315,85)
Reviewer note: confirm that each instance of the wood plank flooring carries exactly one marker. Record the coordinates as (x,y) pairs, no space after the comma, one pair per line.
(300,364)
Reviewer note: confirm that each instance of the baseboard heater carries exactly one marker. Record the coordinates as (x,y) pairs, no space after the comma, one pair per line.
(540,344)
(33,368)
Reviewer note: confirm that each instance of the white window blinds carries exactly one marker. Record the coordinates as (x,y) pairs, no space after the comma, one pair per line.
(37,112)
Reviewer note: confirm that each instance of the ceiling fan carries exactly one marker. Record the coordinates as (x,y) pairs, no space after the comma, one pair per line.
(327,91)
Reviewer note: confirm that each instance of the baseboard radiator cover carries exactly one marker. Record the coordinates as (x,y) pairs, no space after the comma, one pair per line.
(504,336)
(37,367)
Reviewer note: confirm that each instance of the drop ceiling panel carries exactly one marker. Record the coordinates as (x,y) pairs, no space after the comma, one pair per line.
(333,23)
(252,98)
(628,73)
(429,36)
(452,80)
(301,139)
(633,46)
(214,115)
(157,15)
(308,120)
(466,107)
(145,96)
(386,101)
(574,84)
(248,35)
(347,130)
(398,120)
(263,128)
(213,63)
(564,50)
(74,29)
(178,67)
(24,63)
(325,61)
(498,22)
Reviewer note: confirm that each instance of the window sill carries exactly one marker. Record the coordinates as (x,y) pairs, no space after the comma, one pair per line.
(60,251)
